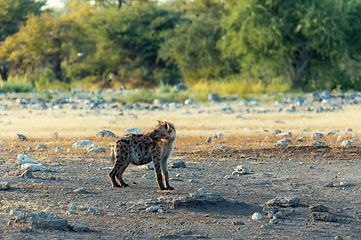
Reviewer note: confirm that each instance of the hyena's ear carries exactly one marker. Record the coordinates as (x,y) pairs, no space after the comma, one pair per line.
(158,121)
(166,126)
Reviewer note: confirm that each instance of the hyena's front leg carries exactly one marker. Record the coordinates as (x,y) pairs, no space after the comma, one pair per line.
(164,167)
(158,174)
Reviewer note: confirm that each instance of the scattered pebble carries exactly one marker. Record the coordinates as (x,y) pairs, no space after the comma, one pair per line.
(256,216)
(4,186)
(203,190)
(344,184)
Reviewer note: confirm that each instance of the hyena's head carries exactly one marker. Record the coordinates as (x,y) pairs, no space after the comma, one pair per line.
(164,130)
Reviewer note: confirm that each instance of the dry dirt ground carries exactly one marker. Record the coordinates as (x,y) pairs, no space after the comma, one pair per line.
(300,170)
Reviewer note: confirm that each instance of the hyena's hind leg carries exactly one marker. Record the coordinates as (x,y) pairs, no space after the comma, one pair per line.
(118,169)
(164,167)
(119,174)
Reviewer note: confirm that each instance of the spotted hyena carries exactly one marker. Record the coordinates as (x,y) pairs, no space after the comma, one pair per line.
(139,149)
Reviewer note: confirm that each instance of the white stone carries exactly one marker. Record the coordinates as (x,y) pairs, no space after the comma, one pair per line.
(72,206)
(33,166)
(229,177)
(285,134)
(14,212)
(317,135)
(153,209)
(346,143)
(344,183)
(203,190)
(256,216)
(83,143)
(242,169)
(318,143)
(22,158)
(149,166)
(354,140)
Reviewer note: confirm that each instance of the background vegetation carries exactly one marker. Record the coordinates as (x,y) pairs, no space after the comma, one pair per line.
(230,47)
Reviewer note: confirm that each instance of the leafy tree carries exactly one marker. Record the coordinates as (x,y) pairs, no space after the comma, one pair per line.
(299,40)
(12,14)
(126,43)
(192,45)
(44,41)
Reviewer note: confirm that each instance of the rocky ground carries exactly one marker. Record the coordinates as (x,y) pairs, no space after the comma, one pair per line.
(301,192)
(273,185)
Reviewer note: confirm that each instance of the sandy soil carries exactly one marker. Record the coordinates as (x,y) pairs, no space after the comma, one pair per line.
(296,171)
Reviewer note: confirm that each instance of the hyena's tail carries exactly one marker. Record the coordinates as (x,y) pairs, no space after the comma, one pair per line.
(112,157)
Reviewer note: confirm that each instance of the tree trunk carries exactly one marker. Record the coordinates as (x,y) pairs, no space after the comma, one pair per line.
(302,69)
(4,73)
(119,4)
(57,70)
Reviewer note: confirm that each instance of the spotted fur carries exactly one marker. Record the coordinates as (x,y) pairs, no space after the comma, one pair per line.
(139,149)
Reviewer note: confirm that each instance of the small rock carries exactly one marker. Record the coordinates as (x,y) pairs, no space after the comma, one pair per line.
(338,238)
(256,216)
(58,149)
(285,134)
(96,149)
(242,169)
(329,184)
(229,177)
(80,228)
(209,140)
(237,222)
(344,184)
(43,220)
(14,212)
(41,146)
(346,143)
(83,143)
(318,143)
(81,190)
(323,216)
(203,190)
(72,206)
(149,166)
(318,208)
(153,208)
(178,164)
(4,186)
(27,174)
(218,135)
(192,181)
(267,226)
(317,135)
(110,214)
(283,202)
(354,140)
(33,166)
(348,130)
(301,138)
(21,137)
(105,133)
(22,159)
(70,212)
(223,147)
